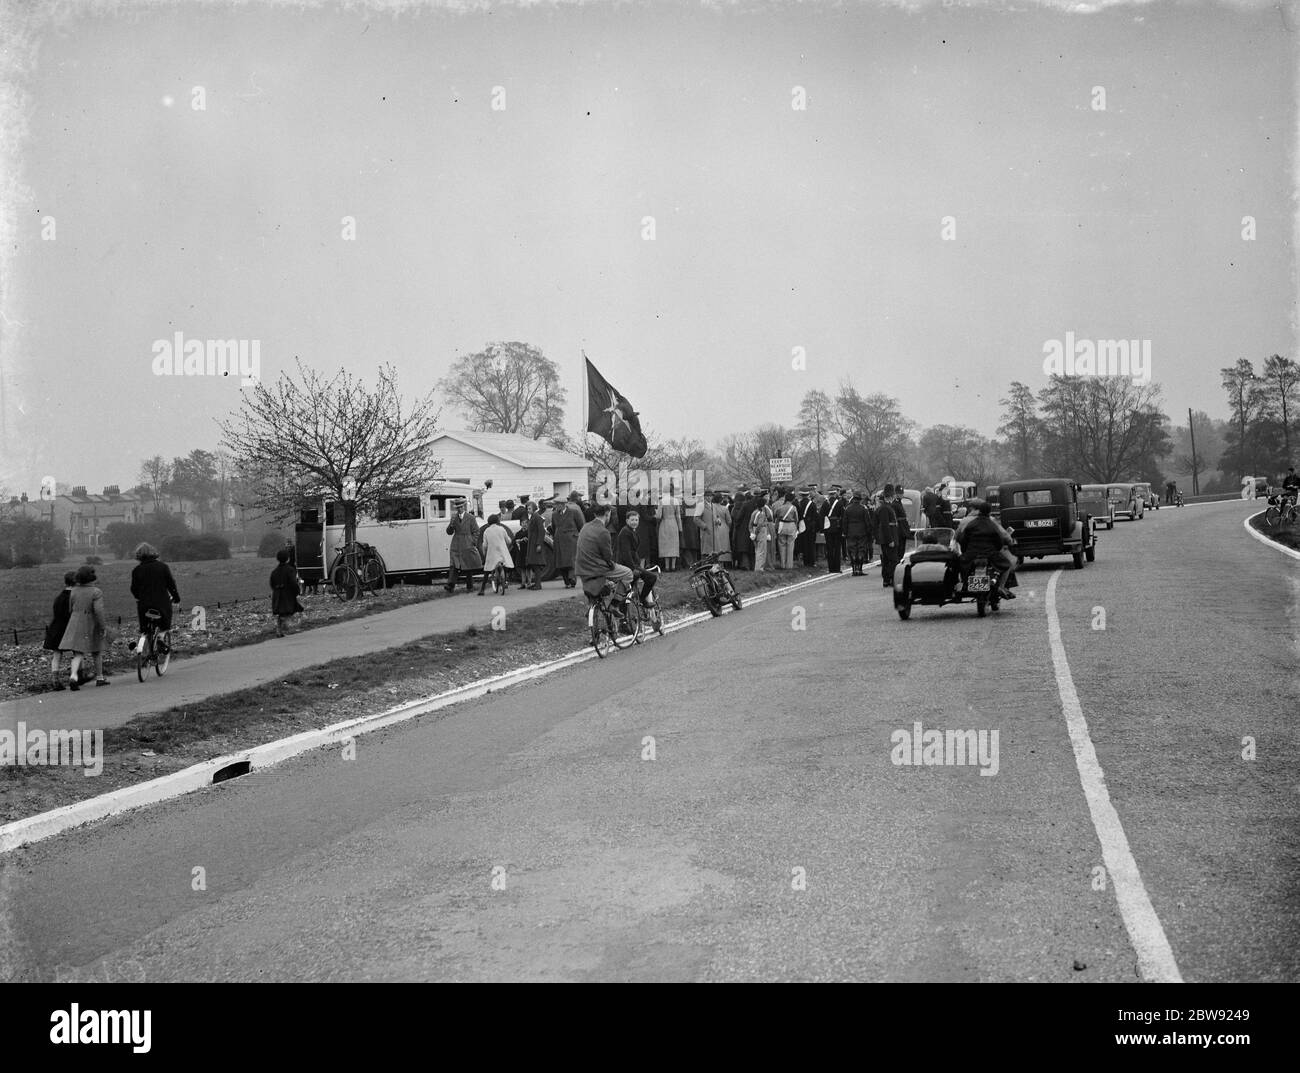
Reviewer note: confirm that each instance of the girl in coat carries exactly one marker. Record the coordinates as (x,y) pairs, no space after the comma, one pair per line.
(496,549)
(284,591)
(86,627)
(54,631)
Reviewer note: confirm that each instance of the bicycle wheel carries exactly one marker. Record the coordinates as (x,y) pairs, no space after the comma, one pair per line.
(1272,516)
(162,655)
(142,658)
(635,619)
(347,585)
(372,575)
(601,640)
(621,630)
(655,619)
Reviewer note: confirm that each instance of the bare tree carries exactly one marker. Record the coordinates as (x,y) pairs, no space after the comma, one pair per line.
(874,437)
(309,437)
(1022,428)
(508,387)
(1282,380)
(1103,428)
(156,474)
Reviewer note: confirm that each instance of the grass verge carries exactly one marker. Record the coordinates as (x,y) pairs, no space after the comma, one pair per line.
(329,693)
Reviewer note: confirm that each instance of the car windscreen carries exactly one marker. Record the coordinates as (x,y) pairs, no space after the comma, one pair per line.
(1032,497)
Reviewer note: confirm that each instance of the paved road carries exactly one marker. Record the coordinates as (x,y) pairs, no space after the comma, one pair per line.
(190,680)
(772,753)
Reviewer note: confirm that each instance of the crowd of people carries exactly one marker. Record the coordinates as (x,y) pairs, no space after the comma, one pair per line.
(758,529)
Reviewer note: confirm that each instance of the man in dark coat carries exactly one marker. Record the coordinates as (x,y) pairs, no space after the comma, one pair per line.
(520,513)
(900,516)
(536,562)
(834,521)
(566,522)
(742,548)
(811,516)
(857,532)
(887,536)
(463,531)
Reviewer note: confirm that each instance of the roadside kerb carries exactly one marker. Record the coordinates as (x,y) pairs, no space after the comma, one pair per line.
(197,776)
(1265,540)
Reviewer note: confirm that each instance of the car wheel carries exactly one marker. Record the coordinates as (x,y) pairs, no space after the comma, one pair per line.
(904,611)
(1091,553)
(1078,560)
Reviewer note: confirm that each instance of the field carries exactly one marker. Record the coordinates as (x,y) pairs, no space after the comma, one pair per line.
(27,594)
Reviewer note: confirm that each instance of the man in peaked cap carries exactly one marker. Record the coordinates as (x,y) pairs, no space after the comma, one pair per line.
(887,536)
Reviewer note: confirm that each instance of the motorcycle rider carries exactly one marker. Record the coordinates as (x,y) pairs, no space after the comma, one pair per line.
(984,536)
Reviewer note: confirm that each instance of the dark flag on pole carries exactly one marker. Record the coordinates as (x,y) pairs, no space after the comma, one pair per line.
(611,416)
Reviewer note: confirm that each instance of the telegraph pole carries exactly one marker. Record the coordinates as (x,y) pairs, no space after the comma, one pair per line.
(1191,431)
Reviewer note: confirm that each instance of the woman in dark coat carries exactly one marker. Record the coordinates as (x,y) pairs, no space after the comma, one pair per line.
(566,520)
(153,587)
(742,548)
(536,547)
(87,625)
(54,631)
(284,591)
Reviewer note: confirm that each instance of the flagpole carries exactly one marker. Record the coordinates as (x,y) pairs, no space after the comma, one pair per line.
(586,393)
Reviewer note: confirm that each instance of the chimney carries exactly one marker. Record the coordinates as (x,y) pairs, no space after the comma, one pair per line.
(79,490)
(112,490)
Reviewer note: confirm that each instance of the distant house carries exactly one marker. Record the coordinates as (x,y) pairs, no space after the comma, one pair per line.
(82,516)
(516,465)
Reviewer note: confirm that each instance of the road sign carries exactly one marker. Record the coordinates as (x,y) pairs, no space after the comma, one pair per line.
(782,470)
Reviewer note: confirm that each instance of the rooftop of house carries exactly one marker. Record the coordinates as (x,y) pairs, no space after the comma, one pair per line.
(518,449)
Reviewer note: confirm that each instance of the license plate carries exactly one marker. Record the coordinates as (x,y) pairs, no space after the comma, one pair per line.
(980,583)
(1040,523)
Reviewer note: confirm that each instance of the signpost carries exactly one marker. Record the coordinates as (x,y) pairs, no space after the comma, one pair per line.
(781,469)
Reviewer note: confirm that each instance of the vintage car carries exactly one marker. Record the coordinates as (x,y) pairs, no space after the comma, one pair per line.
(1044,518)
(959,494)
(1126,502)
(408,534)
(1096,503)
(1150,500)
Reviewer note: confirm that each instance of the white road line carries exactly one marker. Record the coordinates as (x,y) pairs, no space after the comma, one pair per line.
(48,824)
(1155,957)
(1265,540)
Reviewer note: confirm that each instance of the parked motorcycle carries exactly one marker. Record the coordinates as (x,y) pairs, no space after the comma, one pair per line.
(712,584)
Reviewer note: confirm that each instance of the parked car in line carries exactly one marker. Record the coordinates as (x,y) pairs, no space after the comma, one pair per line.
(1094,500)
(1150,501)
(1126,502)
(958,494)
(1044,518)
(992,498)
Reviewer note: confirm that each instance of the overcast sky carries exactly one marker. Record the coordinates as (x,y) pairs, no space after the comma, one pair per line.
(775,227)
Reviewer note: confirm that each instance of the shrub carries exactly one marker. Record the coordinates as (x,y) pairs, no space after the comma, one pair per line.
(269,545)
(94,560)
(181,549)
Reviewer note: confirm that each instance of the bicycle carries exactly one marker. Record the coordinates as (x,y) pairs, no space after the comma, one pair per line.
(153,647)
(500,580)
(609,614)
(1281,510)
(357,568)
(653,617)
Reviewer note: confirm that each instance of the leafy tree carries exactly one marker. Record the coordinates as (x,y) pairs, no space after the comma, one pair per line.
(1246,402)
(1022,429)
(28,541)
(1102,428)
(508,387)
(310,436)
(814,425)
(156,474)
(1281,384)
(194,477)
(957,451)
(874,437)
